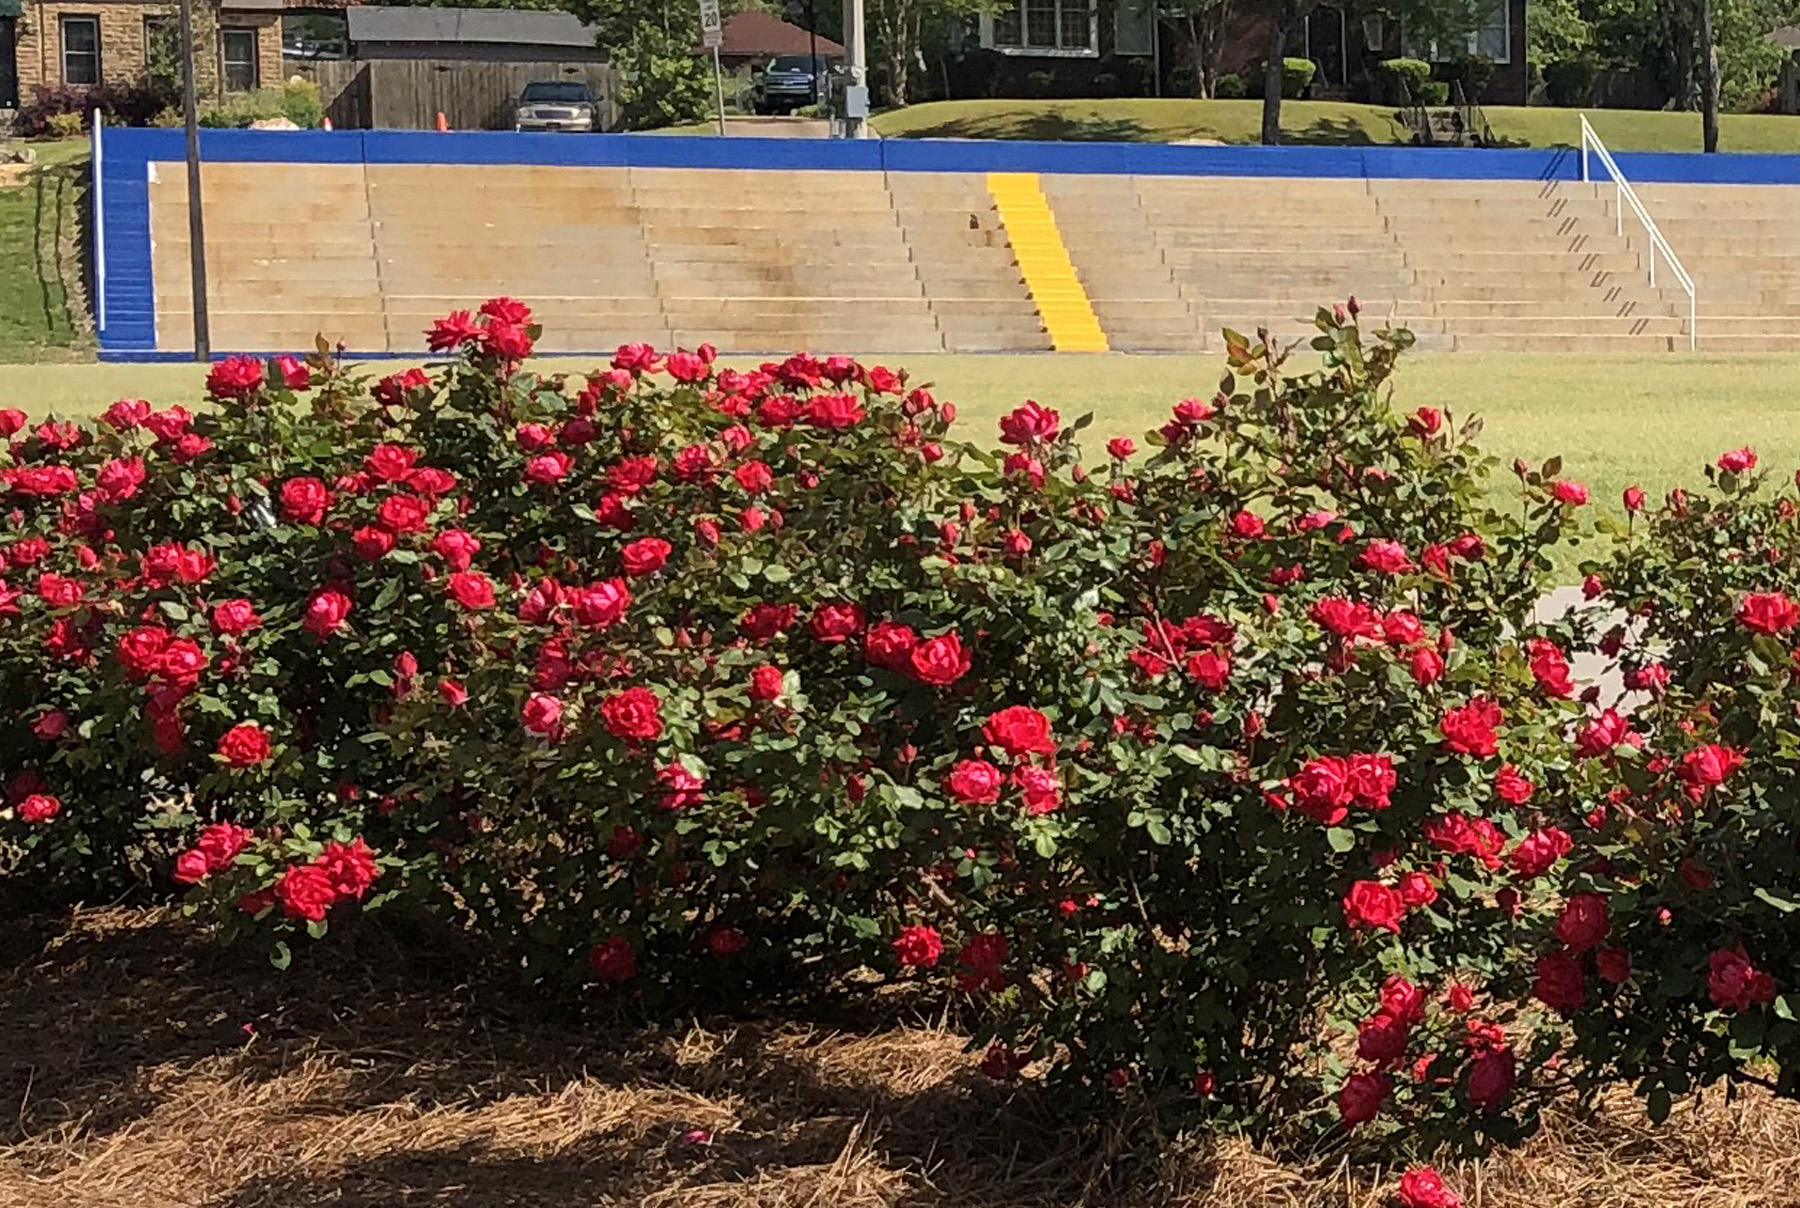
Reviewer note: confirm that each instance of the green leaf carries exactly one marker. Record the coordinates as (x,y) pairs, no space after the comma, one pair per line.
(1781,904)
(775,572)
(1658,1105)
(1341,838)
(282,956)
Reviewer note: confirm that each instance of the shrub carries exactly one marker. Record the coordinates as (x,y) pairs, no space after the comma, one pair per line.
(1184,80)
(1231,87)
(1473,72)
(1297,77)
(1434,94)
(297,100)
(1240,768)
(302,104)
(130,104)
(1403,80)
(1567,82)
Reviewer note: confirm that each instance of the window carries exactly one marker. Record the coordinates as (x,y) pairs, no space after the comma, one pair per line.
(162,48)
(1044,27)
(1494,39)
(237,51)
(81,50)
(1134,28)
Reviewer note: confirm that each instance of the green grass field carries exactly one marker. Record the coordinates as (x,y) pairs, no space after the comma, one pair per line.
(40,269)
(1650,420)
(1316,122)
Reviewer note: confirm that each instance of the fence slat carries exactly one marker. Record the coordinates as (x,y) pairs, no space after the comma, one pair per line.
(408,94)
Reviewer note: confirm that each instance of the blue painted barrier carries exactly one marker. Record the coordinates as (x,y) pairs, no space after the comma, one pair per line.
(128,329)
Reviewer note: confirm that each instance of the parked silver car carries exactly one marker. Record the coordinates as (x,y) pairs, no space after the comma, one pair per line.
(556,105)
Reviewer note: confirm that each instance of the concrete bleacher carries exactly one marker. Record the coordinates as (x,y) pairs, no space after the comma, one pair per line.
(771,260)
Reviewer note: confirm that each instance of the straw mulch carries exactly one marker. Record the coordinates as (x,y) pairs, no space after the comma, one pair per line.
(141,1067)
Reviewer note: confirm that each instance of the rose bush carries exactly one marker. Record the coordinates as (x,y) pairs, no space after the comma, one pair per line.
(1242,767)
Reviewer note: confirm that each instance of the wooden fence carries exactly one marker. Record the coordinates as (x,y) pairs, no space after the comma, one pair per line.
(408,94)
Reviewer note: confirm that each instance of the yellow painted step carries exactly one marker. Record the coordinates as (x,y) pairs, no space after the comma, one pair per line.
(1049,274)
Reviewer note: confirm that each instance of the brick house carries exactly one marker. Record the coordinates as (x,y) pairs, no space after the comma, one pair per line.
(1096,48)
(82,43)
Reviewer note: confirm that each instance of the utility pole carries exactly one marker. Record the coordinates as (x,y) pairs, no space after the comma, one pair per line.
(190,111)
(812,30)
(856,95)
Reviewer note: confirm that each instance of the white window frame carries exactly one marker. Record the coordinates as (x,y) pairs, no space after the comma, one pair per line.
(64,20)
(1092,51)
(1472,44)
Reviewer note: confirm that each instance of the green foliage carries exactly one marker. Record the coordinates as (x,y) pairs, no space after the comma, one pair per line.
(1231,87)
(1567,82)
(1471,71)
(1247,755)
(1296,77)
(1403,80)
(298,100)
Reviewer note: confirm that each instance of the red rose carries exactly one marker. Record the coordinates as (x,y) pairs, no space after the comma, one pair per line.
(232,617)
(1634,499)
(765,683)
(191,868)
(1491,1077)
(1362,1095)
(1423,1187)
(974,782)
(1425,421)
(472,589)
(1565,490)
(981,963)
(1767,612)
(456,547)
(1322,789)
(304,500)
(305,892)
(1738,460)
(1346,619)
(890,645)
(1550,668)
(634,714)
(403,514)
(245,745)
(645,556)
(1583,922)
(918,947)
(836,621)
(833,412)
(1425,667)
(1613,965)
(1028,424)
(1247,525)
(1559,982)
(765,621)
(1734,984)
(11,422)
(681,788)
(38,807)
(549,468)
(220,843)
(1470,729)
(1707,767)
(372,544)
(940,660)
(600,605)
(1403,1000)
(390,463)
(1384,557)
(1019,730)
(51,725)
(181,662)
(1041,790)
(1417,889)
(119,479)
(1211,669)
(235,378)
(1510,786)
(1121,447)
(612,960)
(350,867)
(294,373)
(1382,1038)
(1538,851)
(326,612)
(1599,736)
(754,476)
(1370,779)
(452,693)
(542,715)
(1372,904)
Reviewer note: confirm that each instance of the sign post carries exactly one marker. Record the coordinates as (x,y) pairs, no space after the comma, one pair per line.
(712,36)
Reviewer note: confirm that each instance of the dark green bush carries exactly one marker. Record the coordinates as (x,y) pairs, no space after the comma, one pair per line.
(1296,77)
(1567,82)
(1402,81)
(1231,87)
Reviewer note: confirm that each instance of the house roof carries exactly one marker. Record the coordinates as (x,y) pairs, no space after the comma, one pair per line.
(755,35)
(468,25)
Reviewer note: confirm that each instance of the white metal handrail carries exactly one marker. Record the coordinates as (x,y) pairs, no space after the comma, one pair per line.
(1627,196)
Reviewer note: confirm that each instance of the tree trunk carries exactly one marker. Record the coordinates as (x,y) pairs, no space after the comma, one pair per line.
(1709,81)
(1271,113)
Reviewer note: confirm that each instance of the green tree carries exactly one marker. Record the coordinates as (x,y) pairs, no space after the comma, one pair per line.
(1206,23)
(899,31)
(664,81)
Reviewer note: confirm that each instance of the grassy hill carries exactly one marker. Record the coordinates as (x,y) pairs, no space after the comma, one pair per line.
(1329,123)
(42,307)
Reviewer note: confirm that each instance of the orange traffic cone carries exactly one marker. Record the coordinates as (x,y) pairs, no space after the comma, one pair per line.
(443,126)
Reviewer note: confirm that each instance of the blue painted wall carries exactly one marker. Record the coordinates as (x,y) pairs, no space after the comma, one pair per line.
(129,331)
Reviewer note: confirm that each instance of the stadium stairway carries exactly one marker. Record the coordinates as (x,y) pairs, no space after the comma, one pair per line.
(769,261)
